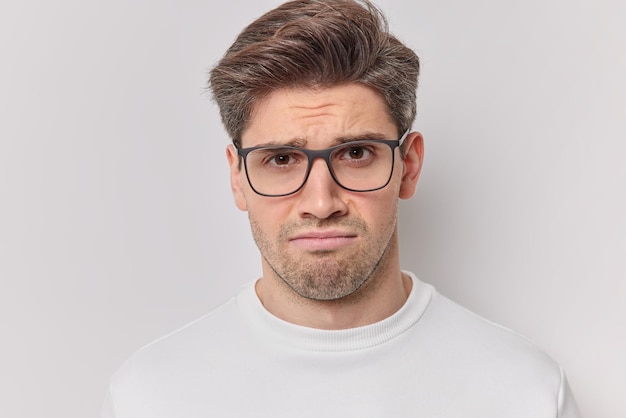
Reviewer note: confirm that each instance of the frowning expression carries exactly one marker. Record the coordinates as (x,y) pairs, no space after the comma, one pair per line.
(324,241)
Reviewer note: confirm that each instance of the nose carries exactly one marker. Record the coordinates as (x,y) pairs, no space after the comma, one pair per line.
(320,197)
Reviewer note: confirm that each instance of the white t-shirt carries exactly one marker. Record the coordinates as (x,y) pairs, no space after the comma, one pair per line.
(432,358)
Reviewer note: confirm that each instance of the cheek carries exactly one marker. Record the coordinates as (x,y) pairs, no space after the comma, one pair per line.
(267,212)
(376,208)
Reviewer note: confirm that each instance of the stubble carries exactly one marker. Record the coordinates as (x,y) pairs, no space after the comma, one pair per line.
(326,275)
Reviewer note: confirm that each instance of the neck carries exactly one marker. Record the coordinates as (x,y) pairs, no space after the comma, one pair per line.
(384,293)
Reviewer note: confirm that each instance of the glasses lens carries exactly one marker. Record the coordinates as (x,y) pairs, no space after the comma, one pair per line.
(276,171)
(362,166)
(358,166)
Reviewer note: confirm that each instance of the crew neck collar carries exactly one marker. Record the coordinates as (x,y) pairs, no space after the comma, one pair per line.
(313,339)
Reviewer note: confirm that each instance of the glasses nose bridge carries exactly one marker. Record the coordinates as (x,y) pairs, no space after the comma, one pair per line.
(324,154)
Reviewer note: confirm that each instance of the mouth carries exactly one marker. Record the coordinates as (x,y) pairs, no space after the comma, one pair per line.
(323,240)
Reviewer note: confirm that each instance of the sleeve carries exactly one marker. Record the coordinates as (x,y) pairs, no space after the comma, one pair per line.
(567,404)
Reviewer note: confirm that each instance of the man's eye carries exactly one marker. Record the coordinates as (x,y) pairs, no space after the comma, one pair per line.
(281,158)
(356,153)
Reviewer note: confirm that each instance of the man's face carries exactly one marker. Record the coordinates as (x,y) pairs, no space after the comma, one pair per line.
(324,241)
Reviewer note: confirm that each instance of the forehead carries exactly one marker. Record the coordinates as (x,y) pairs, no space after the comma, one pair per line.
(318,116)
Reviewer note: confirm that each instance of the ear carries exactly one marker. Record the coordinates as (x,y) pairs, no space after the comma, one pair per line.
(412,164)
(235,164)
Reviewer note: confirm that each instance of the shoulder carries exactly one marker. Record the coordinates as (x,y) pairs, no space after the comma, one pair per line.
(478,335)
(200,341)
(487,359)
(449,326)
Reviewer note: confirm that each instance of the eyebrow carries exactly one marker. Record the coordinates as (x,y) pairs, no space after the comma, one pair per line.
(367,136)
(300,142)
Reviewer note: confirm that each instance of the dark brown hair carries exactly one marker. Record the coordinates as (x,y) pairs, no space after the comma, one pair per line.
(314,44)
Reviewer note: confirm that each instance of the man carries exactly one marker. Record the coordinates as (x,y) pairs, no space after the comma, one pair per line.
(319,100)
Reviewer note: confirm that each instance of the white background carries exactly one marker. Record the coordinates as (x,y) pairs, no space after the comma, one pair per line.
(117,224)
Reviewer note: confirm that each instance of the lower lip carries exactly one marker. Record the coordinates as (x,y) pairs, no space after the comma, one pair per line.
(322,244)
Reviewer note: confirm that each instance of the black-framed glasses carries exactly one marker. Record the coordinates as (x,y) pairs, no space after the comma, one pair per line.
(358,166)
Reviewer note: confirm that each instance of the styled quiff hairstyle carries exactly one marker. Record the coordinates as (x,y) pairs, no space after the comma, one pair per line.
(314,44)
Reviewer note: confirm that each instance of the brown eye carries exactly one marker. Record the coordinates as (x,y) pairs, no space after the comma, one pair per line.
(356,152)
(281,159)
